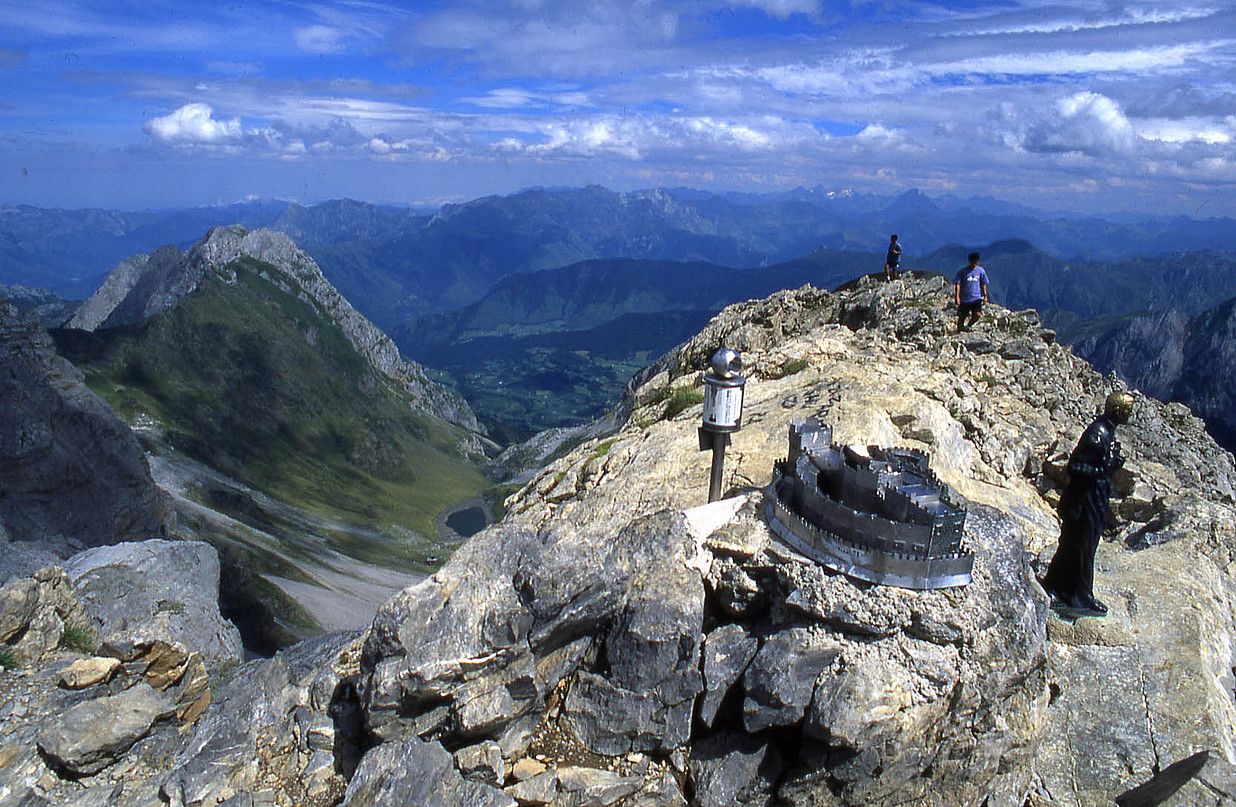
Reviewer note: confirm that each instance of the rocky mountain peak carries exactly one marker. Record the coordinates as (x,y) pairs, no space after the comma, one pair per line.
(142,286)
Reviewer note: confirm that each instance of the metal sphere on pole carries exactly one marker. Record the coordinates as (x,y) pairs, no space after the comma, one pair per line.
(722,415)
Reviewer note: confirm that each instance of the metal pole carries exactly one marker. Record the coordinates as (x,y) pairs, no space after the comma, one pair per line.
(719,442)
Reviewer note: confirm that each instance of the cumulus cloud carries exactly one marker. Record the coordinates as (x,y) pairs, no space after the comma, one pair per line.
(194,123)
(1085,122)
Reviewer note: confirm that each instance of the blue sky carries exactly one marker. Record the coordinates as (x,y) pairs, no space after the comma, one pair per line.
(1088,104)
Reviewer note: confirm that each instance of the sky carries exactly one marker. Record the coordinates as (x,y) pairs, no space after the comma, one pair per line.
(1085,105)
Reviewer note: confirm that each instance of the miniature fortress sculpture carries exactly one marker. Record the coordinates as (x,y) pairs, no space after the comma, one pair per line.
(883,518)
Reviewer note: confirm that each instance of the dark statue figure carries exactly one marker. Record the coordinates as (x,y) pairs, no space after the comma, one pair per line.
(1083,511)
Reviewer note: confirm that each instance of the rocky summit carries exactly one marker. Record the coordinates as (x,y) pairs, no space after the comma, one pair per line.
(617,641)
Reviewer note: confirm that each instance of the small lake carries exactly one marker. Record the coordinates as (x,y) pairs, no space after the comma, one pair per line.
(467,522)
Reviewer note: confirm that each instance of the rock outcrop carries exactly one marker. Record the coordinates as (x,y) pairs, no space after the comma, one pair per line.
(998,409)
(142,286)
(615,641)
(156,590)
(71,474)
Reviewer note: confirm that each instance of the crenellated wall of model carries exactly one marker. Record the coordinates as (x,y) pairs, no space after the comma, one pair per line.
(882,516)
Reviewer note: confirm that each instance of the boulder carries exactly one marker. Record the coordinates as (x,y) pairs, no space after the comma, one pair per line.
(469,651)
(732,769)
(156,590)
(265,729)
(781,679)
(92,735)
(17,602)
(421,773)
(727,652)
(35,612)
(88,672)
(481,762)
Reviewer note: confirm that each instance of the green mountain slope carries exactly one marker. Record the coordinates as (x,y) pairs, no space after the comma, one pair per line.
(257,383)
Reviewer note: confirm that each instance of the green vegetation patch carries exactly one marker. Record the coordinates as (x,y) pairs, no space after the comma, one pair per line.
(682,399)
(7,660)
(80,639)
(789,367)
(260,385)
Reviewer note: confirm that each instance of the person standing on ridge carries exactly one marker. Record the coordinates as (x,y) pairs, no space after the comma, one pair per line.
(893,259)
(970,292)
(1083,511)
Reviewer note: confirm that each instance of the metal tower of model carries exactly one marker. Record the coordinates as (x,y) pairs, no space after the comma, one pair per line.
(882,517)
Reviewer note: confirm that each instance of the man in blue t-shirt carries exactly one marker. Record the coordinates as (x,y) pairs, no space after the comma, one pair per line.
(893,259)
(970,291)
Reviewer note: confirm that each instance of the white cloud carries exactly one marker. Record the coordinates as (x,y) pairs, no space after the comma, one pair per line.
(1185,130)
(1086,122)
(781,9)
(1062,62)
(194,123)
(516,98)
(321,39)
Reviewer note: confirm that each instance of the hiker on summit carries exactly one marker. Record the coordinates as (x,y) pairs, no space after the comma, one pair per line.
(970,292)
(1083,511)
(893,259)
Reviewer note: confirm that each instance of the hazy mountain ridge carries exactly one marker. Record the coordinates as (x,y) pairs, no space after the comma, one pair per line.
(1024,276)
(393,261)
(1177,357)
(70,251)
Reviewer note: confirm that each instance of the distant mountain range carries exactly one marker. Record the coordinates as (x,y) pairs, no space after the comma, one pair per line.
(554,347)
(1069,293)
(1175,356)
(539,304)
(393,263)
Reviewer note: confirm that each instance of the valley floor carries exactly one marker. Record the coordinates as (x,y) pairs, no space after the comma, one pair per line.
(292,547)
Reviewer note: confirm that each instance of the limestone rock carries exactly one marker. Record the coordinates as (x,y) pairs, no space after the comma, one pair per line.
(781,679)
(590,786)
(38,610)
(653,653)
(535,790)
(157,590)
(88,672)
(727,652)
(1201,780)
(90,736)
(732,769)
(260,731)
(479,642)
(17,602)
(481,762)
(417,772)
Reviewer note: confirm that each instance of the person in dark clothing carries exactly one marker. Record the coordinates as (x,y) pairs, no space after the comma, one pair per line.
(893,259)
(1083,511)
(970,292)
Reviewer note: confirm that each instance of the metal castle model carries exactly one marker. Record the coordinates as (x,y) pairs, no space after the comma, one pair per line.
(884,518)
